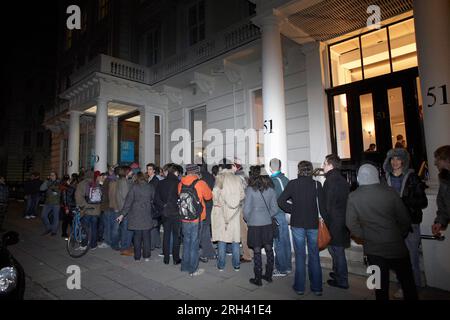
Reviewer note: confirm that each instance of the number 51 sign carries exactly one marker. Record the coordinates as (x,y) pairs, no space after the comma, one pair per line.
(432,94)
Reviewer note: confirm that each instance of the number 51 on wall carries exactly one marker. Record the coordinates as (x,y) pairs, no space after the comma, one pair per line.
(430,93)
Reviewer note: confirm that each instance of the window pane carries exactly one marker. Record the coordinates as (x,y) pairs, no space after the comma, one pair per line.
(397,116)
(341,123)
(403,45)
(158,150)
(375,54)
(345,60)
(201,11)
(157,125)
(192,18)
(367,120)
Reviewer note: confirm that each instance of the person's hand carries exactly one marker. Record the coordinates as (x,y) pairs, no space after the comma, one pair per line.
(436,228)
(119,218)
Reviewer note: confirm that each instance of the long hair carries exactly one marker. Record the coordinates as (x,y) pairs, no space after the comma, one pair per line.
(258,182)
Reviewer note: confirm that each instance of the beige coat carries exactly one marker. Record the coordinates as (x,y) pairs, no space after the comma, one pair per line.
(228,196)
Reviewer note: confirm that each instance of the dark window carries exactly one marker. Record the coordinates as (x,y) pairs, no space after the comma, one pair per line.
(196,22)
(103,9)
(27,138)
(251,8)
(40,139)
(153,47)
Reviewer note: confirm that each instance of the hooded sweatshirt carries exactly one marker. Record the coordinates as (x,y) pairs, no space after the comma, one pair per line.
(408,185)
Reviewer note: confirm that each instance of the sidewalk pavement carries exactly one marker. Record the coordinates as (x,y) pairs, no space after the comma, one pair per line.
(106,275)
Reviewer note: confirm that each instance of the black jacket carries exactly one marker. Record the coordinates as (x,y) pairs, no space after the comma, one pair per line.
(336,190)
(32,186)
(166,196)
(443,199)
(210,181)
(68,196)
(303,210)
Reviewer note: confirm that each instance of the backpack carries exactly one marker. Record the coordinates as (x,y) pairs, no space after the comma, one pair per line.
(189,205)
(94,194)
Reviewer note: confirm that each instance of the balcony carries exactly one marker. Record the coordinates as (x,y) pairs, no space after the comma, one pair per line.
(112,66)
(231,38)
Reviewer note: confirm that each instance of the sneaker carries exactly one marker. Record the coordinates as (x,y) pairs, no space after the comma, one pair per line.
(147,259)
(277,273)
(197,273)
(221,270)
(300,293)
(161,255)
(398,294)
(237,269)
(66,239)
(289,271)
(27,217)
(103,245)
(94,248)
(33,217)
(81,248)
(317,293)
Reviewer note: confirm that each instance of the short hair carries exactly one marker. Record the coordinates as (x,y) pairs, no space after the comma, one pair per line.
(275,164)
(255,171)
(215,170)
(305,168)
(443,153)
(152,165)
(334,160)
(122,172)
(140,177)
(399,137)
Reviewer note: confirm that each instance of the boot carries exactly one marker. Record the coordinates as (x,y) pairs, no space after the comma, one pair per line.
(257,279)
(268,275)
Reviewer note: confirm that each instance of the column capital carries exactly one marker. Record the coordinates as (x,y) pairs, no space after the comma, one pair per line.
(272,20)
(74,112)
(102,100)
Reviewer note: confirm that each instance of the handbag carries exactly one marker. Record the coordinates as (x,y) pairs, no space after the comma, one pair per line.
(323,237)
(275,223)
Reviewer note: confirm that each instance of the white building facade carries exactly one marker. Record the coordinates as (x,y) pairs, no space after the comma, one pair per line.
(316,76)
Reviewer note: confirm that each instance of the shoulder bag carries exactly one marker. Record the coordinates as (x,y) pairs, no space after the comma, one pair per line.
(275,223)
(323,237)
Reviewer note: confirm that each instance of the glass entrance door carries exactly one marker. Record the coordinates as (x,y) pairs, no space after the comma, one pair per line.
(370,117)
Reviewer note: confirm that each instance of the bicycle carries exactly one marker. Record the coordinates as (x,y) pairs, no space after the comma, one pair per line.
(78,243)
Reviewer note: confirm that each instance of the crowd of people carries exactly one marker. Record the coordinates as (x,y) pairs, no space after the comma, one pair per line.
(226,212)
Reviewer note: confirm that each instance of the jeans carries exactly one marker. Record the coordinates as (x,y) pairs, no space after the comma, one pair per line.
(32,203)
(142,240)
(412,241)
(156,234)
(205,241)
(222,246)
(115,233)
(171,234)
(403,270)
(106,221)
(314,269)
(282,245)
(126,236)
(91,223)
(191,245)
(53,210)
(339,264)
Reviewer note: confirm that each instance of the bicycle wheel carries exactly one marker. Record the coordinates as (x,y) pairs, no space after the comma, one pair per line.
(78,243)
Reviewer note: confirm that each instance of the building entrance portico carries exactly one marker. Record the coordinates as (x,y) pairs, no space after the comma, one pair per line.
(107,103)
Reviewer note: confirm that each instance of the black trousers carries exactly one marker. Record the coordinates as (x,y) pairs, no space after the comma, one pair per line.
(66,222)
(258,268)
(172,226)
(402,268)
(142,242)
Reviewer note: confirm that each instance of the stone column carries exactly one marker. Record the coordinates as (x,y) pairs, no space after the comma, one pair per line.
(319,135)
(101,136)
(146,138)
(432,24)
(114,140)
(73,154)
(275,141)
